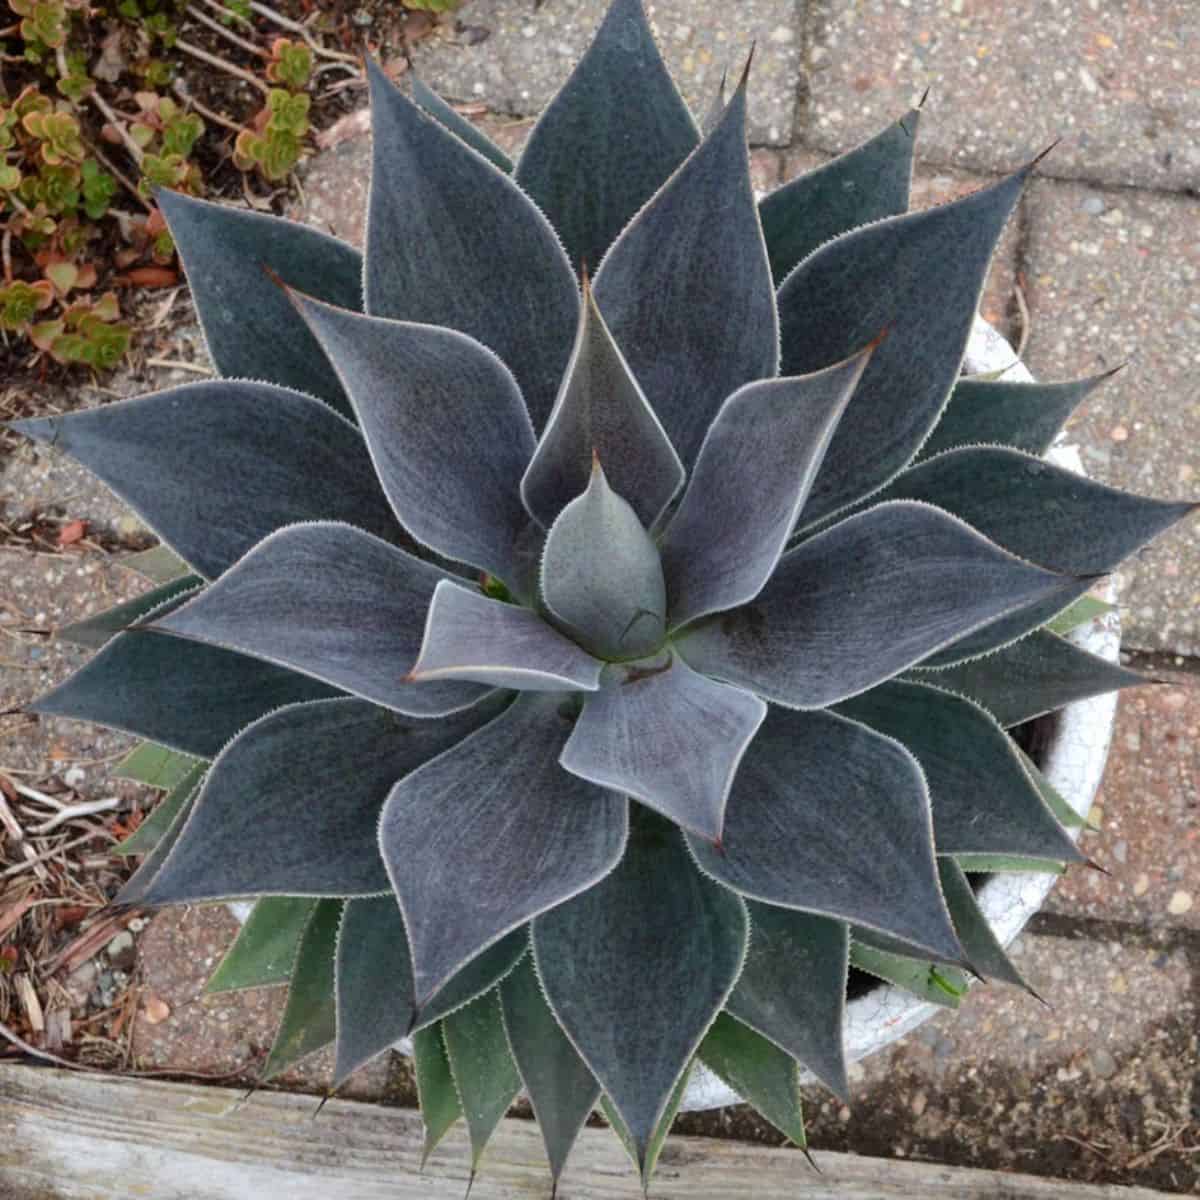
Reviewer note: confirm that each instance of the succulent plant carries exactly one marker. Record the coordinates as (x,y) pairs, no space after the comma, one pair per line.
(574,669)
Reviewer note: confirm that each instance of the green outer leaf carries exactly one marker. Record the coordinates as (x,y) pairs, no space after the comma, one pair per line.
(758,1071)
(426,98)
(436,1094)
(484,1073)
(147,835)
(934,982)
(94,632)
(1053,798)
(986,864)
(561,1089)
(156,766)
(138,884)
(1085,609)
(266,946)
(658,1140)
(309,1019)
(984,951)
(863,185)
(160,564)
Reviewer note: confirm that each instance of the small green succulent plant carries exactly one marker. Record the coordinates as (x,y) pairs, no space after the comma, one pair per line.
(575,670)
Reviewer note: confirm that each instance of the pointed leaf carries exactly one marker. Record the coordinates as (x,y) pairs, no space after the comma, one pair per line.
(525,833)
(716,106)
(426,98)
(142,879)
(609,138)
(1033,676)
(749,484)
(480,975)
(333,603)
(436,1094)
(793,988)
(668,737)
(1055,801)
(601,412)
(601,578)
(147,835)
(561,1089)
(1025,416)
(758,1071)
(985,864)
(932,982)
(94,632)
(984,801)
(265,949)
(636,968)
(452,240)
(484,1073)
(919,276)
(659,1137)
(863,185)
(251,330)
(984,951)
(309,1018)
(814,636)
(447,429)
(1085,609)
(470,637)
(830,817)
(213,467)
(343,757)
(686,288)
(189,696)
(155,766)
(160,564)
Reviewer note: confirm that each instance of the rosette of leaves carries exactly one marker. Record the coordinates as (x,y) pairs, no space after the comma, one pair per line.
(570,668)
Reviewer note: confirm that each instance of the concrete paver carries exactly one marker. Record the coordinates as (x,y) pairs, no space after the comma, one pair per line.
(1118,81)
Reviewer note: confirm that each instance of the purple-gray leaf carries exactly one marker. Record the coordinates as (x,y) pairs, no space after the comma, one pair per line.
(984,801)
(1036,675)
(919,276)
(338,759)
(601,578)
(251,330)
(446,428)
(213,467)
(609,138)
(686,288)
(668,737)
(470,637)
(601,411)
(862,602)
(792,989)
(452,240)
(636,968)
(482,839)
(426,98)
(863,185)
(829,817)
(748,486)
(332,602)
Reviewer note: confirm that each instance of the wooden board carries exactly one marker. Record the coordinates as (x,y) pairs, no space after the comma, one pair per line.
(72,1136)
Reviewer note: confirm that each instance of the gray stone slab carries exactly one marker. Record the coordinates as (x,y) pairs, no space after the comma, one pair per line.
(529,52)
(1114,276)
(1119,82)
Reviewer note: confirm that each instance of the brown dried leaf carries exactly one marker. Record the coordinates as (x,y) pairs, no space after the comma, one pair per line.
(72,532)
(155,1009)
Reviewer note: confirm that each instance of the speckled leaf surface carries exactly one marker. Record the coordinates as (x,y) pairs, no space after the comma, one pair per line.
(453,241)
(251,331)
(983,799)
(440,1105)
(831,818)
(561,1089)
(686,288)
(527,834)
(428,100)
(264,951)
(656,939)
(333,760)
(446,427)
(865,184)
(213,467)
(155,766)
(919,276)
(471,637)
(814,635)
(333,603)
(609,138)
(668,737)
(792,989)
(755,468)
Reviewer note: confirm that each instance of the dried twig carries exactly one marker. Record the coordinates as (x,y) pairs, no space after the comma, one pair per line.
(135,151)
(209,114)
(179,365)
(85,809)
(295,27)
(226,33)
(222,64)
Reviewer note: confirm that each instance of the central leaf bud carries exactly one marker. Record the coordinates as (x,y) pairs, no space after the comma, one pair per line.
(602,580)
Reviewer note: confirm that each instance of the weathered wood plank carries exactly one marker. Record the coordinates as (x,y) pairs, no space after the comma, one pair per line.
(70,1136)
